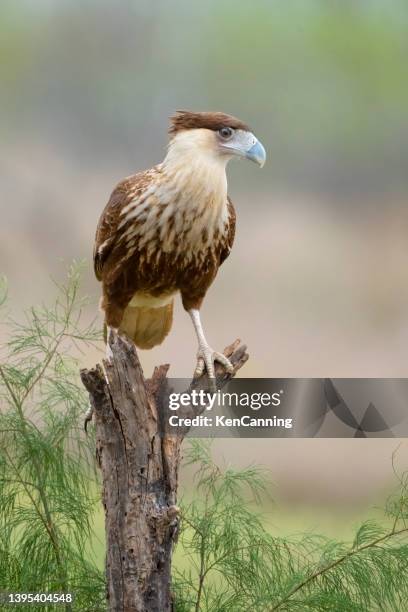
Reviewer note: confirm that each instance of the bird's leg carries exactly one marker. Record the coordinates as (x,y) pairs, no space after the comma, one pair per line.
(206,356)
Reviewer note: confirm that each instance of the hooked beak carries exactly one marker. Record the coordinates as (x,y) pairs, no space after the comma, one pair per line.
(245,145)
(256,153)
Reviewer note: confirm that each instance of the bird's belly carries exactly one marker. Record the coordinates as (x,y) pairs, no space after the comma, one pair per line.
(143,299)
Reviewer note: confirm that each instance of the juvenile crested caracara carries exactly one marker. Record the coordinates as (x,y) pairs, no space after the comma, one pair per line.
(168,229)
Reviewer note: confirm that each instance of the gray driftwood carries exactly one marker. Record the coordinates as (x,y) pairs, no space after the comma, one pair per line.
(140,466)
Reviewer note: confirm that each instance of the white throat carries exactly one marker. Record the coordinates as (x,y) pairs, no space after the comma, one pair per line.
(195,176)
(193,162)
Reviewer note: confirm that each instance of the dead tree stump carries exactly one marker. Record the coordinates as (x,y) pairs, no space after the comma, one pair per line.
(140,465)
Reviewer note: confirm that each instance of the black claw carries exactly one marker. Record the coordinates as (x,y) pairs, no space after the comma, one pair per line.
(87,420)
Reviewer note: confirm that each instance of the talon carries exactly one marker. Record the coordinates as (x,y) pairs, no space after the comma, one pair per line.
(200,367)
(206,358)
(88,418)
(223,360)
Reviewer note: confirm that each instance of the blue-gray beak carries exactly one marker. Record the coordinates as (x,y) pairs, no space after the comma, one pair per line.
(256,153)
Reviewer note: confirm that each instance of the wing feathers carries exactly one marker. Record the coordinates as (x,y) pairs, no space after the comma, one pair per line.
(107,234)
(230,235)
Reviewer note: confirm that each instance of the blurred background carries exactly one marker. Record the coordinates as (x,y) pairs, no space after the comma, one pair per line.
(317,281)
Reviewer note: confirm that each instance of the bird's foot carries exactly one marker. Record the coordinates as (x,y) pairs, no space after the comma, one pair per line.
(88,417)
(206,358)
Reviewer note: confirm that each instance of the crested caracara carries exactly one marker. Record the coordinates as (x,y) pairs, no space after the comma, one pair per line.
(167,230)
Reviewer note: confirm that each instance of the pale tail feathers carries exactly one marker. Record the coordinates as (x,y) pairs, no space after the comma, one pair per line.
(147,327)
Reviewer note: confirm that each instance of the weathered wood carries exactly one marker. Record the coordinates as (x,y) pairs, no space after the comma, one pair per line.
(140,466)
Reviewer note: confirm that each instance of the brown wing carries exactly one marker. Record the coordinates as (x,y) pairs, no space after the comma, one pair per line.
(229,239)
(107,231)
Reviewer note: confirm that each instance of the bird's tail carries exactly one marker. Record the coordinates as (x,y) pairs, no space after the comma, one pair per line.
(147,327)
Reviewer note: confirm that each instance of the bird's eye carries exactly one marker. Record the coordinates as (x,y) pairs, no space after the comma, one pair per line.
(226,133)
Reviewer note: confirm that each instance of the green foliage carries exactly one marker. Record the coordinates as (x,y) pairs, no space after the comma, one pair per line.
(233,563)
(46,506)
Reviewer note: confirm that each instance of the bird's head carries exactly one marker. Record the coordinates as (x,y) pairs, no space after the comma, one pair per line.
(216,136)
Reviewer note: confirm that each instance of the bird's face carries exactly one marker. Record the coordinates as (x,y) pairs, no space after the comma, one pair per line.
(215,137)
(239,143)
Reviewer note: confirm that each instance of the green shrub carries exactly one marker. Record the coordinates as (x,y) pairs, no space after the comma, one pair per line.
(46,507)
(235,564)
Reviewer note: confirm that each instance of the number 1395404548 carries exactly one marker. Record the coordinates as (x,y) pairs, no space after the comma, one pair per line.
(35,598)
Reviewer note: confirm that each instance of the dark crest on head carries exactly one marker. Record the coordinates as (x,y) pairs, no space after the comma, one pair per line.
(185,120)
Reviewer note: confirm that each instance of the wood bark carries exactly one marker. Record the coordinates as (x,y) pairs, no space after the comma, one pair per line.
(140,465)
